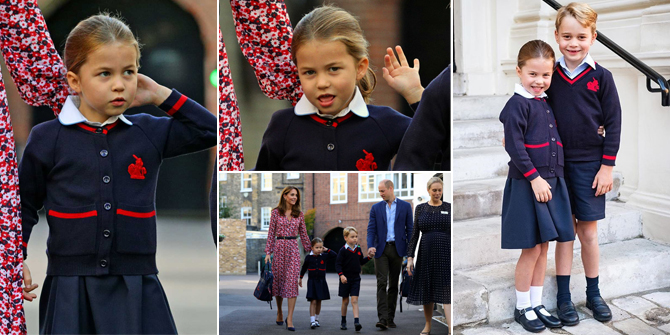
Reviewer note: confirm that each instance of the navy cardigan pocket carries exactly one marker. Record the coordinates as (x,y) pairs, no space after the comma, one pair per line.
(72,230)
(135,229)
(538,153)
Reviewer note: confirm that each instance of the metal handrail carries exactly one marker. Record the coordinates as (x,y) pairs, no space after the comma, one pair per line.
(651,74)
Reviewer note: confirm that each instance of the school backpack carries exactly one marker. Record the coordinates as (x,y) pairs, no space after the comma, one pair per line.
(404,285)
(263,291)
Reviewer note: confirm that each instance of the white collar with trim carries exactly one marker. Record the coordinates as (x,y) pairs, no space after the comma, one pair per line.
(346,245)
(588,60)
(70,114)
(356,106)
(518,89)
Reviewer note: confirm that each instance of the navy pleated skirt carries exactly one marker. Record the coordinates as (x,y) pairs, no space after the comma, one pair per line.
(105,305)
(317,289)
(527,222)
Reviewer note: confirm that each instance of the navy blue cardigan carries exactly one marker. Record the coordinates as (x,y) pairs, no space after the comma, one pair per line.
(98,185)
(428,138)
(531,139)
(349,143)
(316,264)
(582,105)
(348,262)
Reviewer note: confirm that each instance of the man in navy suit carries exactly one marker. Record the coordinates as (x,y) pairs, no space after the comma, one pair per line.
(389,230)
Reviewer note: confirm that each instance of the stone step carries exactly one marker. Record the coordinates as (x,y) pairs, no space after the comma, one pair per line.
(483,197)
(625,267)
(478,240)
(480,163)
(478,107)
(477,133)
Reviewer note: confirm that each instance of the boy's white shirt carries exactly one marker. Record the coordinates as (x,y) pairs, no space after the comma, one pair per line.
(349,247)
(586,62)
(520,90)
(70,114)
(356,106)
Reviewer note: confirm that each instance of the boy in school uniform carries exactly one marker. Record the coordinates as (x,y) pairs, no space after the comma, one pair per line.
(348,267)
(589,157)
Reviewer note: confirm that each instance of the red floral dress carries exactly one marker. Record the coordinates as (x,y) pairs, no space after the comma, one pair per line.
(231,157)
(39,74)
(286,263)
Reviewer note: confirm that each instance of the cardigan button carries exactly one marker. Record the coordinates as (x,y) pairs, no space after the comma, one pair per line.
(103,263)
(548,111)
(98,130)
(329,123)
(106,233)
(331,147)
(106,179)
(551,125)
(553,154)
(108,206)
(104,153)
(553,139)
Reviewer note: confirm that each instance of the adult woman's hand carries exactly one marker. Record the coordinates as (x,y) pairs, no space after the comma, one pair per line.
(410,265)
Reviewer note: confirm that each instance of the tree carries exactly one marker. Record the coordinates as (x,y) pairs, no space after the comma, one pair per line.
(310,217)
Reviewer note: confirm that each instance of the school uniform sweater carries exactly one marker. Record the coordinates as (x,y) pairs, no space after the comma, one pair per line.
(428,138)
(348,262)
(98,185)
(309,142)
(582,105)
(316,264)
(531,138)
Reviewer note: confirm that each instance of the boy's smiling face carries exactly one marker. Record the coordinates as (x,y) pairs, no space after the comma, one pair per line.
(574,41)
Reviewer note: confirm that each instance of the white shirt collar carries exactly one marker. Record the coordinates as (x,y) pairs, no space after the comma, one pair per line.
(70,114)
(518,89)
(311,253)
(587,60)
(356,106)
(346,245)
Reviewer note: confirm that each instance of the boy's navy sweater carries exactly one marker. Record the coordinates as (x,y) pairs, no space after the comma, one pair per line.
(316,264)
(531,139)
(582,105)
(98,185)
(349,143)
(349,262)
(429,134)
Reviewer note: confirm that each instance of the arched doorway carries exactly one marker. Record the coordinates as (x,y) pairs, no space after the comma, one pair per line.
(333,240)
(172,54)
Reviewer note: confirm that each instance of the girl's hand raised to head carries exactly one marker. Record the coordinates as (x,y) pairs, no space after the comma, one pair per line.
(542,189)
(402,78)
(149,92)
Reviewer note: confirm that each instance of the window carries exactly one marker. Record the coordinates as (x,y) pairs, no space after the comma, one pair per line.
(293,175)
(338,188)
(266,182)
(246,182)
(246,215)
(368,190)
(265,218)
(223,176)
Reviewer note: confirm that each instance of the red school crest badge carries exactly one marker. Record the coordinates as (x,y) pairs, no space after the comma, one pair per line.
(137,170)
(367,163)
(593,85)
(321,261)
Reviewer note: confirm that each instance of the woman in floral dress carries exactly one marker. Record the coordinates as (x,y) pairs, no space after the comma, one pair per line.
(286,222)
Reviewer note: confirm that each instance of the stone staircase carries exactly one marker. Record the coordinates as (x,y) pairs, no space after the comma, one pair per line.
(483,272)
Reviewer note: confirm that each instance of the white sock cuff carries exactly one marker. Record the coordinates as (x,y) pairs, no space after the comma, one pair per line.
(522,299)
(536,296)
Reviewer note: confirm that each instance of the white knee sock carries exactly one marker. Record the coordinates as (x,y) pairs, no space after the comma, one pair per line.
(523,302)
(536,298)
(316,317)
(312,318)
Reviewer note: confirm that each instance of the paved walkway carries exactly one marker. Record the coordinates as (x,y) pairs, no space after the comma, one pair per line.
(187,261)
(645,313)
(241,313)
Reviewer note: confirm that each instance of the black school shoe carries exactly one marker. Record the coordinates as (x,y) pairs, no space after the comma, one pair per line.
(549,321)
(601,311)
(358,326)
(568,314)
(534,326)
(343,326)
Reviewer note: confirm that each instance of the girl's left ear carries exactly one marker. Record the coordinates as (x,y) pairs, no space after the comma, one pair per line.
(363,65)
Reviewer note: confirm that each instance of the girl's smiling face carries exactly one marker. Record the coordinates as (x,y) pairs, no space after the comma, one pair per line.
(107,81)
(535,75)
(317,248)
(328,74)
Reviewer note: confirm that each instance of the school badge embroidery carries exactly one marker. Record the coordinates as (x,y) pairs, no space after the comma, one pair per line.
(593,85)
(367,164)
(137,170)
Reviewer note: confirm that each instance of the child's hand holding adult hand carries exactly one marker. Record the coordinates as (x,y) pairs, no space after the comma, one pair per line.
(300,282)
(343,279)
(149,92)
(542,189)
(402,78)
(603,180)
(28,285)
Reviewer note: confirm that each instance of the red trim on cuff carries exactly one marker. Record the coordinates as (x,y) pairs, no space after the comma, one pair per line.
(559,143)
(72,215)
(609,157)
(135,214)
(535,146)
(177,105)
(530,172)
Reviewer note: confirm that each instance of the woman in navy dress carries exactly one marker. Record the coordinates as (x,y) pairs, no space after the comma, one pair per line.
(431,278)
